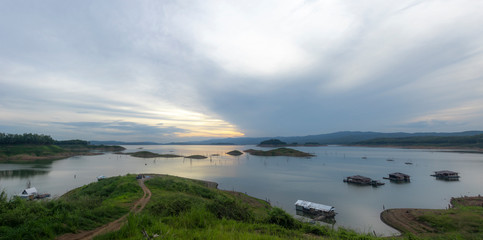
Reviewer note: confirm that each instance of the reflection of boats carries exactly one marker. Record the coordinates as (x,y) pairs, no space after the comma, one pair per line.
(446,175)
(315,210)
(399,177)
(102,177)
(361,180)
(329,220)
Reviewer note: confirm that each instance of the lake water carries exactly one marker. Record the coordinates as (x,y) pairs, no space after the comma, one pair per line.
(281,180)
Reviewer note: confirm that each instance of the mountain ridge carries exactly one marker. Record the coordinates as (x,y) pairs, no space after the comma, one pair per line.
(342,137)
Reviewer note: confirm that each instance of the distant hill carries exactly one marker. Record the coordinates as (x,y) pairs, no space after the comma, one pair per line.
(475,141)
(122,143)
(346,137)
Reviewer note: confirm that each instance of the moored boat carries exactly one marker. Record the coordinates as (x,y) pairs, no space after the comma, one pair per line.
(316,210)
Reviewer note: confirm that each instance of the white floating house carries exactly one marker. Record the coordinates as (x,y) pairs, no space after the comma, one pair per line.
(315,208)
(29,193)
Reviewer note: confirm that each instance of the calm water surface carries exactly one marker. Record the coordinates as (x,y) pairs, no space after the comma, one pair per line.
(281,180)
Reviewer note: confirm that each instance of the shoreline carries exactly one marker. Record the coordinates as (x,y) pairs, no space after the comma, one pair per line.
(408,220)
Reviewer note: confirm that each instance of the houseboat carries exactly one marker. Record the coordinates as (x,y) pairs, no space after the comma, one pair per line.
(361,180)
(315,210)
(31,194)
(399,177)
(446,175)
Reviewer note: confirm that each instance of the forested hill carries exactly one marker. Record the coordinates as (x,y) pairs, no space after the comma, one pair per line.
(428,141)
(346,137)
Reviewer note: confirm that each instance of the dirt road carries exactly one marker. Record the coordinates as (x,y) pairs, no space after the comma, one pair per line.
(115,225)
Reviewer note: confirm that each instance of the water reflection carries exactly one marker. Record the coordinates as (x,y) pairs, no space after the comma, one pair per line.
(21,173)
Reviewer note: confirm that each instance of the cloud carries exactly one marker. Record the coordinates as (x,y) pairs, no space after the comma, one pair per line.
(224,69)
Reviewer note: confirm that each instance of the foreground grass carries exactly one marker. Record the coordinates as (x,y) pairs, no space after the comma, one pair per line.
(187,209)
(81,209)
(459,222)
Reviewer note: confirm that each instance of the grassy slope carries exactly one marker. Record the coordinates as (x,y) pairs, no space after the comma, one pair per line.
(84,208)
(185,209)
(459,222)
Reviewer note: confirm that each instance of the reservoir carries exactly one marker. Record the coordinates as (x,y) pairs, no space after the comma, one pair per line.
(281,180)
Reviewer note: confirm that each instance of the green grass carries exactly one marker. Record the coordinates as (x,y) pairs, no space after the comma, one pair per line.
(186,209)
(461,222)
(81,209)
(34,150)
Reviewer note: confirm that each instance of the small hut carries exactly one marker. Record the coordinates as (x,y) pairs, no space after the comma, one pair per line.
(361,180)
(399,177)
(446,175)
(315,209)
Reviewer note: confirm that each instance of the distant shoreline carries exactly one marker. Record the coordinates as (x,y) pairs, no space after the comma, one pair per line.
(450,149)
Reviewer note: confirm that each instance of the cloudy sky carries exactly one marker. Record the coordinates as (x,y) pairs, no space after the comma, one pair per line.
(187,70)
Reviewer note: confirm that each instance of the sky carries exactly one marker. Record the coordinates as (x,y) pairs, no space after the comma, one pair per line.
(169,71)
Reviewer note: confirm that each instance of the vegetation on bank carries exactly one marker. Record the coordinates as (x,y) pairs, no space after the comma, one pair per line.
(30,147)
(186,209)
(279,152)
(475,141)
(464,220)
(83,208)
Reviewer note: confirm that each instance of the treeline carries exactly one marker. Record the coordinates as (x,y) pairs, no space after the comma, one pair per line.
(459,141)
(26,138)
(35,139)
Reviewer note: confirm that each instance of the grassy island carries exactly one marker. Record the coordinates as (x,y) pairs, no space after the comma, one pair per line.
(26,148)
(279,152)
(234,153)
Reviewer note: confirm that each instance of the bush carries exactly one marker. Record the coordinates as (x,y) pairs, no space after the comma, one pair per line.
(281,218)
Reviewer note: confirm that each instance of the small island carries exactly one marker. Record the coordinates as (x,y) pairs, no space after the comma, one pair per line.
(234,153)
(196,157)
(289,152)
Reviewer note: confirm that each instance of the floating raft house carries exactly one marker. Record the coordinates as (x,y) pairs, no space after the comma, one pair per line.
(315,209)
(399,177)
(361,180)
(446,175)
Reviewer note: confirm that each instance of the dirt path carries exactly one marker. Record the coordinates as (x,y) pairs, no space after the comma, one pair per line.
(115,225)
(405,220)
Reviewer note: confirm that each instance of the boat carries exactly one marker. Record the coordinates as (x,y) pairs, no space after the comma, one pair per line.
(315,210)
(446,175)
(31,194)
(102,177)
(361,180)
(398,177)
